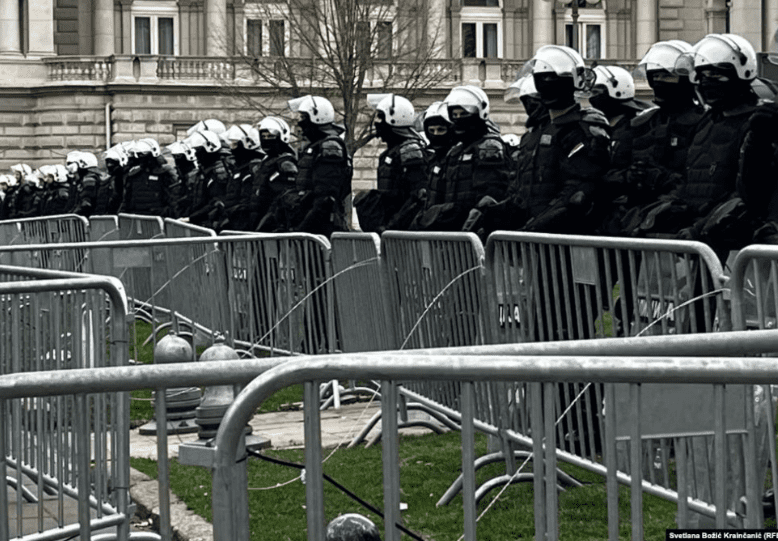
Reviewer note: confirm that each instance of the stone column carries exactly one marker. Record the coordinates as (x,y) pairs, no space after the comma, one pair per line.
(436,28)
(715,16)
(10,35)
(745,18)
(542,24)
(126,24)
(216,23)
(771,26)
(103,33)
(646,34)
(41,28)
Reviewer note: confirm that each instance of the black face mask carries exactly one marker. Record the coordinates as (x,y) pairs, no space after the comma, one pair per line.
(555,92)
(611,108)
(536,111)
(468,128)
(308,129)
(720,94)
(384,131)
(439,141)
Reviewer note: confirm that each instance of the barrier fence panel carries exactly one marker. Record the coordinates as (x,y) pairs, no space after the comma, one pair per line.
(556,287)
(63,453)
(281,293)
(754,292)
(178,229)
(711,361)
(58,229)
(142,273)
(362,309)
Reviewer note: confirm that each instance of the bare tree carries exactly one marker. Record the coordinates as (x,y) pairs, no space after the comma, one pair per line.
(341,49)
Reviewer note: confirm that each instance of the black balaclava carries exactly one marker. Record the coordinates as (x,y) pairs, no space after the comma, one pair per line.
(439,141)
(610,107)
(556,92)
(672,96)
(721,88)
(536,111)
(467,128)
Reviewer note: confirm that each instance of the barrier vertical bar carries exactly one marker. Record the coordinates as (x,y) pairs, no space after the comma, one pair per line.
(636,466)
(682,481)
(552,498)
(720,446)
(612,484)
(83,457)
(3,453)
(468,460)
(163,476)
(314,480)
(538,466)
(391,460)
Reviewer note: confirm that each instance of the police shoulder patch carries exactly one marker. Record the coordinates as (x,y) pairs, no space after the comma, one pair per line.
(332,150)
(590,115)
(411,152)
(491,150)
(288,166)
(644,116)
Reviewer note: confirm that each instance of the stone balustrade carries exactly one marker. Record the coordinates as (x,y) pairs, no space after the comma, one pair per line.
(150,69)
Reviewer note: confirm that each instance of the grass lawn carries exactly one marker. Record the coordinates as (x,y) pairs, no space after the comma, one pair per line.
(429,464)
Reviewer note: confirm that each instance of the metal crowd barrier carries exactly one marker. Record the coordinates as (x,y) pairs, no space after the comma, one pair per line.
(65,456)
(714,361)
(46,230)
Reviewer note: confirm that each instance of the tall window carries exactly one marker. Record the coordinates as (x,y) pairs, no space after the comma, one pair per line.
(481,30)
(277,39)
(481,40)
(591,25)
(154,27)
(253,37)
(384,37)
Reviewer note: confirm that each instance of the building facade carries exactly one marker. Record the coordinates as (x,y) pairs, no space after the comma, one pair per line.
(85,74)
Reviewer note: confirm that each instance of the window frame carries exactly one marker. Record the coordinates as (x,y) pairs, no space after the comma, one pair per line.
(481,16)
(588,17)
(154,11)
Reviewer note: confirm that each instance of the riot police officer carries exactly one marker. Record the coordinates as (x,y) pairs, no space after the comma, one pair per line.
(324,169)
(477,166)
(659,138)
(185,162)
(273,176)
(56,195)
(86,178)
(149,182)
(560,168)
(247,154)
(402,167)
(210,188)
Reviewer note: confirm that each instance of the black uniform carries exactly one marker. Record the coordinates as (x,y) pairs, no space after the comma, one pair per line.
(239,188)
(56,199)
(148,187)
(88,181)
(559,172)
(401,182)
(273,177)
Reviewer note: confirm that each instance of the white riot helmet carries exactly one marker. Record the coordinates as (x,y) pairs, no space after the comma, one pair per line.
(437,110)
(48,173)
(718,51)
(318,109)
(617,82)
(211,124)
(234,135)
(276,126)
(141,148)
(177,149)
(87,159)
(22,168)
(73,161)
(522,86)
(511,139)
(470,98)
(561,60)
(118,154)
(62,173)
(662,55)
(398,111)
(206,140)
(153,145)
(6,181)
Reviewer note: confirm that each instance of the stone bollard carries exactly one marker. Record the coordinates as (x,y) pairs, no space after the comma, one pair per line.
(216,398)
(181,401)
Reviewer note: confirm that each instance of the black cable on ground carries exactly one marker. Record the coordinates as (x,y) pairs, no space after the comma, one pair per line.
(340,487)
